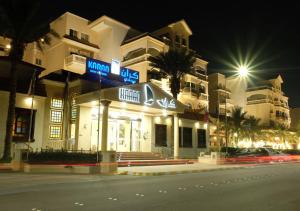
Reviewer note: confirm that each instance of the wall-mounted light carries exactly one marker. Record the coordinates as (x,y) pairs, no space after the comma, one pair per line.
(94,103)
(169,122)
(164,113)
(180,122)
(8,46)
(28,101)
(157,119)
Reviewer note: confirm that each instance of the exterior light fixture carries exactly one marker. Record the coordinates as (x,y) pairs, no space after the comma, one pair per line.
(165,113)
(243,71)
(28,101)
(157,119)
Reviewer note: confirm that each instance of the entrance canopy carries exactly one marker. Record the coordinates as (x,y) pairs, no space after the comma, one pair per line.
(143,97)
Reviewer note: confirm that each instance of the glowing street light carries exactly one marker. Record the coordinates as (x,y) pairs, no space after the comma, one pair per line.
(243,71)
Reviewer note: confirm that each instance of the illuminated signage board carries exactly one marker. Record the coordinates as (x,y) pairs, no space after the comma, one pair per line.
(129,95)
(115,67)
(145,96)
(110,71)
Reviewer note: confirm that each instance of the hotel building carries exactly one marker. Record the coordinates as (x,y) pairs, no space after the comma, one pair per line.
(106,62)
(262,99)
(266,101)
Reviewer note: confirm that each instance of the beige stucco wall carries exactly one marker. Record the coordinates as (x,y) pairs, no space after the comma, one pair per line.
(22,102)
(83,128)
(238,87)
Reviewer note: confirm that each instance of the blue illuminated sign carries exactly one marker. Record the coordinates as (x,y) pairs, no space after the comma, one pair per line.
(95,66)
(130,76)
(99,67)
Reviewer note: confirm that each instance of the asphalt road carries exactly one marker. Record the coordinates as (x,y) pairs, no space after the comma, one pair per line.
(275,187)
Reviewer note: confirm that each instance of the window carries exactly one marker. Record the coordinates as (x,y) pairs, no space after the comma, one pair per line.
(38,61)
(202,89)
(73,33)
(160,135)
(55,132)
(22,124)
(56,116)
(177,39)
(183,41)
(84,37)
(201,134)
(56,103)
(185,138)
(73,110)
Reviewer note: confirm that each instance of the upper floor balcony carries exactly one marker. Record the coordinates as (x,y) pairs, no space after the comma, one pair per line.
(81,43)
(194,92)
(75,63)
(228,100)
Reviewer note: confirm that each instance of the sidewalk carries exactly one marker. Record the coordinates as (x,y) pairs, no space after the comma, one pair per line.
(174,169)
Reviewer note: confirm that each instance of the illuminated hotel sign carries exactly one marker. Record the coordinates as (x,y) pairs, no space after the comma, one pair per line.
(129,95)
(111,71)
(165,103)
(134,96)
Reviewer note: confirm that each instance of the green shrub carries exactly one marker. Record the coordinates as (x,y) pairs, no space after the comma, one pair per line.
(61,157)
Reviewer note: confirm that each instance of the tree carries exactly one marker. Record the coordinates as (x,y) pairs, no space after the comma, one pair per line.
(252,127)
(174,64)
(19,23)
(236,122)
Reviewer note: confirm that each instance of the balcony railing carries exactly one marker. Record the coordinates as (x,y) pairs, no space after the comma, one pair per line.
(75,63)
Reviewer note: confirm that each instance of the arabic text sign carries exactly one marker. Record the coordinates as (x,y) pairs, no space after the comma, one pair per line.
(99,67)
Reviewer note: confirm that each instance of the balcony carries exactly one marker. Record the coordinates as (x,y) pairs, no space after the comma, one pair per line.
(135,60)
(203,96)
(228,100)
(75,40)
(194,93)
(75,63)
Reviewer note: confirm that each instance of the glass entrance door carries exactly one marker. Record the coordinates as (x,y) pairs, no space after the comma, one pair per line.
(112,135)
(135,135)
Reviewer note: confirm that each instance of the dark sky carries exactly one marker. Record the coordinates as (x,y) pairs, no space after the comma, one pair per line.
(268,34)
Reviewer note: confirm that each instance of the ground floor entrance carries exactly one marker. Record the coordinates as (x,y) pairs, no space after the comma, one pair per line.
(124,135)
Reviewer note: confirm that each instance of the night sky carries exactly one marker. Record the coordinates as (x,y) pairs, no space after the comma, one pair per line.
(267,34)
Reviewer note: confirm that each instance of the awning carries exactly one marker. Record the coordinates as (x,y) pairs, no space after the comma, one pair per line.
(136,96)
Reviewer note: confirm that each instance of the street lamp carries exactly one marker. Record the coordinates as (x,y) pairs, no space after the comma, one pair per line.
(243,72)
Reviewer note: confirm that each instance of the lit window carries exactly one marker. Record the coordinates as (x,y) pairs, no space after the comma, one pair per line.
(56,116)
(56,103)
(73,110)
(22,123)
(55,132)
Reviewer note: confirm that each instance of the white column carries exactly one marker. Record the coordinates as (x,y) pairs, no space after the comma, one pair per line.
(176,137)
(105,104)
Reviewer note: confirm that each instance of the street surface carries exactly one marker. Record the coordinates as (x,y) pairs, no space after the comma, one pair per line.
(272,187)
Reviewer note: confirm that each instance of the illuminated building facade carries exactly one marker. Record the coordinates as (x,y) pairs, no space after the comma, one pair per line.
(106,61)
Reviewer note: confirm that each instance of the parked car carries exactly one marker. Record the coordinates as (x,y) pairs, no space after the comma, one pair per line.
(259,155)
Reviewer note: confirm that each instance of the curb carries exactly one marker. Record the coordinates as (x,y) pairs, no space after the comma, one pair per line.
(177,172)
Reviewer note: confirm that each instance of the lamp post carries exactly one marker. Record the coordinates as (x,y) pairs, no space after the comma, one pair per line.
(242,72)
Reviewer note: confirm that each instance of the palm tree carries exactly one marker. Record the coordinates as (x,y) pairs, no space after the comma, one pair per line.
(174,64)
(19,23)
(236,122)
(252,127)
